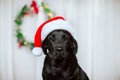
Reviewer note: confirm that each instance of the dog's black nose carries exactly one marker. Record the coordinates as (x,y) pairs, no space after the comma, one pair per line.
(59,50)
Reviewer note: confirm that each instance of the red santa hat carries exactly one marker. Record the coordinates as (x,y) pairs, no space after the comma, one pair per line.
(47,27)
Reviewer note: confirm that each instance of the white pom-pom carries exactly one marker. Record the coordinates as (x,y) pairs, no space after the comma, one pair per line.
(37,51)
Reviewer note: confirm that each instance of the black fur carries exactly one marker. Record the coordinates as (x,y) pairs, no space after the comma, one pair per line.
(60,62)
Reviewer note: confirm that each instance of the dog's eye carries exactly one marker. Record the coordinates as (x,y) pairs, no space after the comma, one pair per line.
(53,37)
(64,37)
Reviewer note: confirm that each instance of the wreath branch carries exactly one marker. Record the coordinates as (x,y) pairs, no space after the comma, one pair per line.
(34,8)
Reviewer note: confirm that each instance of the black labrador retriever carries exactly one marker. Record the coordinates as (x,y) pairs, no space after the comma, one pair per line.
(60,62)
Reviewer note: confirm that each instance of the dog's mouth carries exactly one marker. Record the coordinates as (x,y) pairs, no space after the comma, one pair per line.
(59,57)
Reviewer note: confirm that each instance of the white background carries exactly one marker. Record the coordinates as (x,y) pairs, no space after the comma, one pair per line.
(97,26)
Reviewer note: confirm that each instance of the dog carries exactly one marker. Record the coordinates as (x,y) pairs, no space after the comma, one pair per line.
(60,62)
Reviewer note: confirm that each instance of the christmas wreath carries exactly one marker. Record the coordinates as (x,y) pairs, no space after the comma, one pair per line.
(33,9)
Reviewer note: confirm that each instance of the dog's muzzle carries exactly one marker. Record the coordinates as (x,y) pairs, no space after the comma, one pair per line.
(59,52)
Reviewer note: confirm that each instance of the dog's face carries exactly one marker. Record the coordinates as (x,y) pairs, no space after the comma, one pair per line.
(59,45)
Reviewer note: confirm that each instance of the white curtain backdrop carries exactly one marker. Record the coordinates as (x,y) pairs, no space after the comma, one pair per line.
(97,27)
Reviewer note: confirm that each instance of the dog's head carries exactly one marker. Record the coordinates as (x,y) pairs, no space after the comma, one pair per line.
(59,45)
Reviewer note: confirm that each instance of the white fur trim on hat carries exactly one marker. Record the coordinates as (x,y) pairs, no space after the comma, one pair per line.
(54,25)
(37,51)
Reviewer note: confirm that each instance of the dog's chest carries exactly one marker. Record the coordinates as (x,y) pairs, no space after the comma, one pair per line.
(59,73)
(56,71)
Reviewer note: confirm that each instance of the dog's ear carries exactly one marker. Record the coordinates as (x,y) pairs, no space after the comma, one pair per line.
(46,46)
(73,45)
